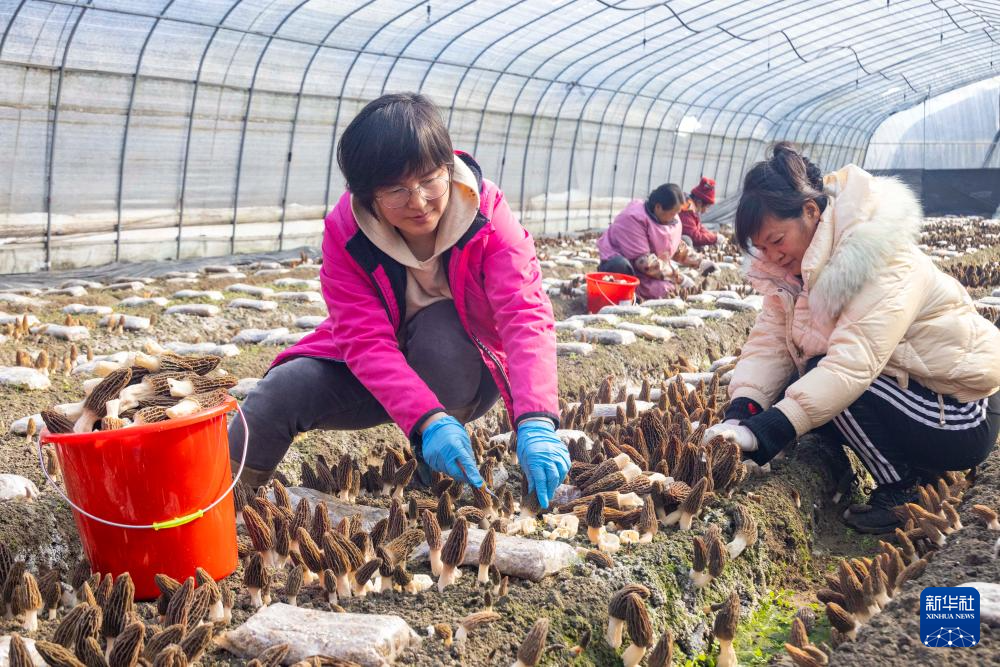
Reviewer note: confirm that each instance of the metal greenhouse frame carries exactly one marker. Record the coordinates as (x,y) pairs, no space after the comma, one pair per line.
(142,129)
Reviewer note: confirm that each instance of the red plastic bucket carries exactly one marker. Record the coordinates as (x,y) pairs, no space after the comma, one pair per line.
(601,292)
(154,498)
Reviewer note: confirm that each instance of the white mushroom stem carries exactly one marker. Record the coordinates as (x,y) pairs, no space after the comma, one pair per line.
(632,655)
(132,394)
(216,612)
(227,614)
(672,518)
(180,388)
(629,501)
(331,597)
(686,520)
(308,577)
(447,577)
(420,583)
(52,613)
(484,574)
(255,597)
(343,585)
(739,543)
(436,564)
(595,534)
(30,623)
(647,536)
(183,408)
(727,654)
(397,493)
(700,579)
(359,590)
(113,408)
(460,636)
(70,410)
(631,471)
(614,633)
(146,361)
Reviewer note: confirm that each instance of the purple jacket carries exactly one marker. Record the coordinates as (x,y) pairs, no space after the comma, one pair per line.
(497,286)
(633,234)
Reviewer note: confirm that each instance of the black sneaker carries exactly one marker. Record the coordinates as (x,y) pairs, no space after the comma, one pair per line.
(877,517)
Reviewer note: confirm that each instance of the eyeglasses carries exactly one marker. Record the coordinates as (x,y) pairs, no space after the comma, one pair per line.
(431,189)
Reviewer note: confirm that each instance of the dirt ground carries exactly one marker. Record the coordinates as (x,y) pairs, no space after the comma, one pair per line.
(799,542)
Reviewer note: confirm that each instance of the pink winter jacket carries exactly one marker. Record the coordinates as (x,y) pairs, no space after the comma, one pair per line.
(633,234)
(497,286)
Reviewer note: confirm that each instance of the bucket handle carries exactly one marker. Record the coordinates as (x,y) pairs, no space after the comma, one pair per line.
(159,525)
(606,297)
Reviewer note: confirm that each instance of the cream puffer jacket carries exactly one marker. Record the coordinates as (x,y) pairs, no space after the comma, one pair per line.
(872,302)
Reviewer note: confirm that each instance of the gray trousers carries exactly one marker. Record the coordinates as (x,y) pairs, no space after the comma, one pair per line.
(307,393)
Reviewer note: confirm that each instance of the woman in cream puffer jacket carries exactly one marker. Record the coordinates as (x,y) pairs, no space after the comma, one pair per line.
(885,347)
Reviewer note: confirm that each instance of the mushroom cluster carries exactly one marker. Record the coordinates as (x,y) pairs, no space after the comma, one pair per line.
(102,626)
(147,387)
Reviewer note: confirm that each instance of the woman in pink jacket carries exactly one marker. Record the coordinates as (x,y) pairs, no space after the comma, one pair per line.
(888,353)
(436,309)
(644,238)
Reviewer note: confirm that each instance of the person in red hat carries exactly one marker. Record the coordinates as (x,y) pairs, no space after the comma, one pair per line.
(702,198)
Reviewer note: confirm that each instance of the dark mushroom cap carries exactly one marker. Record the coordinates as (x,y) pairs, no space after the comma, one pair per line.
(839,617)
(172,634)
(272,656)
(293,584)
(56,655)
(647,518)
(851,587)
(595,512)
(617,605)
(478,619)
(692,503)
(717,554)
(171,656)
(310,552)
(640,627)
(599,558)
(798,635)
(56,422)
(201,603)
(662,654)
(128,646)
(107,389)
(454,548)
(399,549)
(432,529)
(334,557)
(700,559)
(725,621)
(196,641)
(533,645)
(180,602)
(404,473)
(367,571)
(18,653)
(488,548)
(120,605)
(301,518)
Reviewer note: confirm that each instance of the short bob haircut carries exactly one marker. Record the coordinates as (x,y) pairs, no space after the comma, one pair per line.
(667,196)
(779,186)
(394,137)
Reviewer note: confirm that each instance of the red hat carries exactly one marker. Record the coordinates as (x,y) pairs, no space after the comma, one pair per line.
(705,191)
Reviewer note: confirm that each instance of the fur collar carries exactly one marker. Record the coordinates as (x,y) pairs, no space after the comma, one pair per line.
(869,220)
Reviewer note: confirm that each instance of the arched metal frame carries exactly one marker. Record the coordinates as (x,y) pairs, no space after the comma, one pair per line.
(629,60)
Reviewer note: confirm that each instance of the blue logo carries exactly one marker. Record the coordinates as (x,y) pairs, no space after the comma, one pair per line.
(949,617)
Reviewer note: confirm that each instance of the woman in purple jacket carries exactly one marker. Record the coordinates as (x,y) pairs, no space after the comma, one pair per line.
(644,238)
(436,309)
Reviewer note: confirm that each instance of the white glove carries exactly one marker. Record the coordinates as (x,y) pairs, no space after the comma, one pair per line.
(706,267)
(686,282)
(732,430)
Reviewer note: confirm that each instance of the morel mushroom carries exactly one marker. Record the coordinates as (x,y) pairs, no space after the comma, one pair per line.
(745,531)
(640,630)
(533,645)
(95,405)
(453,553)
(487,554)
(725,630)
(432,534)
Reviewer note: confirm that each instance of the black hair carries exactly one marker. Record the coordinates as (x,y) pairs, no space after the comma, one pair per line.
(779,186)
(395,136)
(667,196)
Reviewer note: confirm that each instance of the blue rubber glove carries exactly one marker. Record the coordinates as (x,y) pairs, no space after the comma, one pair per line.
(543,456)
(446,448)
